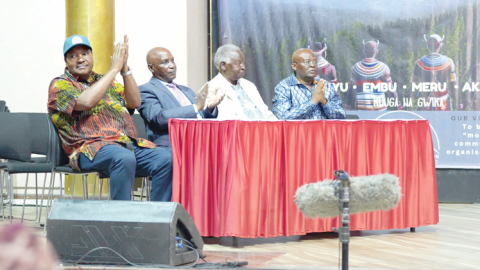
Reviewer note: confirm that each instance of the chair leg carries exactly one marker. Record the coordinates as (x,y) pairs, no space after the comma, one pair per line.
(10,190)
(41,201)
(108,189)
(61,187)
(50,192)
(73,185)
(36,199)
(149,188)
(49,201)
(36,196)
(100,188)
(1,189)
(132,193)
(143,188)
(84,184)
(94,186)
(24,198)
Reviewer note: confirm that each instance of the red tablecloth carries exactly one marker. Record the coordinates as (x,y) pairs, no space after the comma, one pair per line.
(238,178)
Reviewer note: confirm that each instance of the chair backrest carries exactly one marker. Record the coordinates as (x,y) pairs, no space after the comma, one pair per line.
(15,141)
(140,125)
(40,132)
(3,106)
(56,152)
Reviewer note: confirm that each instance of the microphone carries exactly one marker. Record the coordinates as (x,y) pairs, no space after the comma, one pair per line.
(367,193)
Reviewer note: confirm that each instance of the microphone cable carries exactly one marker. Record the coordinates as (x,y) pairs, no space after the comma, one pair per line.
(227,263)
(142,265)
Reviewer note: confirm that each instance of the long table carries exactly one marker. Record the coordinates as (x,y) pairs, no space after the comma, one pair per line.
(238,178)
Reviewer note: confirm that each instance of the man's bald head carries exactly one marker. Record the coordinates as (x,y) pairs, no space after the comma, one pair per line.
(304,62)
(297,53)
(161,63)
(154,52)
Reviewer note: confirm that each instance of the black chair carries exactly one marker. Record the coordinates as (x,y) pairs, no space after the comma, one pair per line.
(42,133)
(63,166)
(65,169)
(142,133)
(15,146)
(3,106)
(18,142)
(140,125)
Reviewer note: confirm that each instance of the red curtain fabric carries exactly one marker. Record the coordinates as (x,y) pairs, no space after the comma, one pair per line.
(238,178)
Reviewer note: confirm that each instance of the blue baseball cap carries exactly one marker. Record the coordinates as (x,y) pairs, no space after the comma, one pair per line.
(74,41)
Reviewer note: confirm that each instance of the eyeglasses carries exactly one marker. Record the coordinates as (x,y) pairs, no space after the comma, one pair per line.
(308,62)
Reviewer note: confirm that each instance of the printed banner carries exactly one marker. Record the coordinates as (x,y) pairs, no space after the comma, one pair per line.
(413,59)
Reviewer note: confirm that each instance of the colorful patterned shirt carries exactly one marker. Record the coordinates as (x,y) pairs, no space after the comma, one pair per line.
(293,100)
(109,122)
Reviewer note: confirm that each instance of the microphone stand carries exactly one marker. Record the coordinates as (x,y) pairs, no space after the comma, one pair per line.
(344,231)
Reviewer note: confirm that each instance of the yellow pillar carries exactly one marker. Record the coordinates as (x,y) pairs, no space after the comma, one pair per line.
(94,19)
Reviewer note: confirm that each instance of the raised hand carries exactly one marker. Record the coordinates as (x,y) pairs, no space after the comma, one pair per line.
(201,97)
(117,59)
(318,94)
(125,59)
(215,99)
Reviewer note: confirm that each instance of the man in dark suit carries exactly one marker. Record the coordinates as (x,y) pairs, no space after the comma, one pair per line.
(163,99)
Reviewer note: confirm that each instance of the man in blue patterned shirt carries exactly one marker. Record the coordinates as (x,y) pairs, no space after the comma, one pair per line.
(300,96)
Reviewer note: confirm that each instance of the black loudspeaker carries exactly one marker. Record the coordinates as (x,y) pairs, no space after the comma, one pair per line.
(143,232)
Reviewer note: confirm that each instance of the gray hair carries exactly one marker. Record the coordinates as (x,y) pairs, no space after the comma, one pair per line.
(223,54)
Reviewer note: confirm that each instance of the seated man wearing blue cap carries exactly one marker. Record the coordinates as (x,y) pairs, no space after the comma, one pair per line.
(92,115)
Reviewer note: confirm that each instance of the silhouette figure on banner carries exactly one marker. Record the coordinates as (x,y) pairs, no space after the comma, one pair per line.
(325,70)
(369,72)
(437,69)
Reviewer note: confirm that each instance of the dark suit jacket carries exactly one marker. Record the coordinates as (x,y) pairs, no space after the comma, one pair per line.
(159,105)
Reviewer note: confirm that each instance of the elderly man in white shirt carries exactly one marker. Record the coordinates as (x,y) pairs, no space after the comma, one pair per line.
(242,100)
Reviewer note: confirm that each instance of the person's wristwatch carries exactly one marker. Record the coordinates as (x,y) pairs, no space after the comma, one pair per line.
(129,72)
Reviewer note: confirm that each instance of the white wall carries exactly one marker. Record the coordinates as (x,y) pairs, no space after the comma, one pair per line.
(150,24)
(32,35)
(197,44)
(31,42)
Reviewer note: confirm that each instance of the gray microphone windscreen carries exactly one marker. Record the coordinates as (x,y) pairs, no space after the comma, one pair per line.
(367,193)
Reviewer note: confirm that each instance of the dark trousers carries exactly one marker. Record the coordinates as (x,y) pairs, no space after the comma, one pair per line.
(122,165)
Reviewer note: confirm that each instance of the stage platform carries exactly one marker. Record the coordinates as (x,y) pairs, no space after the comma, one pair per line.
(454,243)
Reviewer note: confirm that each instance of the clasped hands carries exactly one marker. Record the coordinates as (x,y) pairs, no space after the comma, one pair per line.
(120,56)
(318,93)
